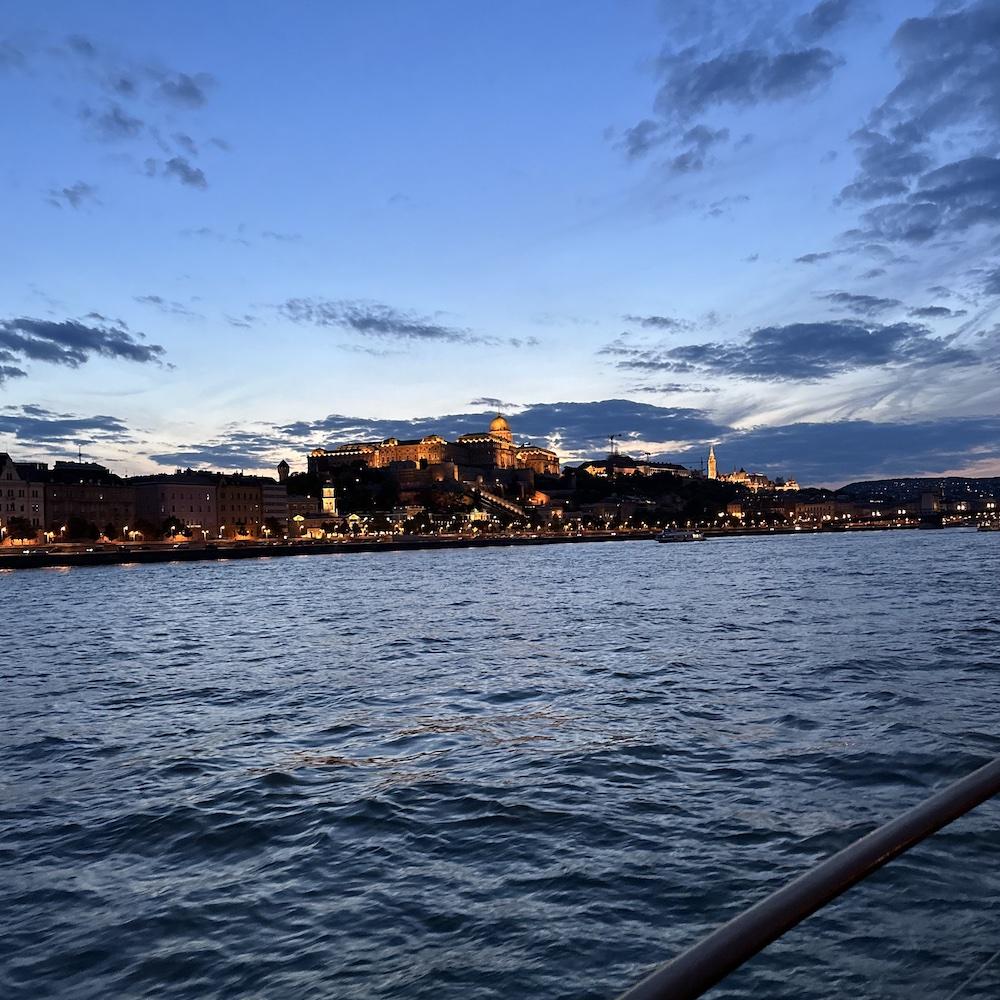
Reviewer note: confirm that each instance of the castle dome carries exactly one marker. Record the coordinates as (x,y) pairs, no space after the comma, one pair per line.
(498,423)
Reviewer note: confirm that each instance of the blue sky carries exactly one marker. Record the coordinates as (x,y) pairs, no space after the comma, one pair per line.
(238,231)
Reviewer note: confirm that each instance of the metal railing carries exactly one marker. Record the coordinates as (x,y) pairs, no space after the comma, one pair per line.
(705,964)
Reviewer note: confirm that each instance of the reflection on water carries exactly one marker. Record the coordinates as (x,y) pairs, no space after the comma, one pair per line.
(499,773)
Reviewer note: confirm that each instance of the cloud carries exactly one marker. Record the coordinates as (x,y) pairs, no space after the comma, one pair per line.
(166,305)
(841,451)
(372,319)
(825,17)
(669,387)
(936,312)
(638,140)
(698,141)
(180,168)
(947,201)
(698,80)
(813,258)
(74,196)
(667,323)
(270,234)
(186,90)
(861,305)
(945,107)
(740,78)
(30,424)
(492,403)
(835,452)
(244,322)
(992,283)
(72,342)
(810,352)
(113,124)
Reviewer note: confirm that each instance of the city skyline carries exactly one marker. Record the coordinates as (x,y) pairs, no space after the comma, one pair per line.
(769,227)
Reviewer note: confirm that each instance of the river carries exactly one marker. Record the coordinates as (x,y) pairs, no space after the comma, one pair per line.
(461,775)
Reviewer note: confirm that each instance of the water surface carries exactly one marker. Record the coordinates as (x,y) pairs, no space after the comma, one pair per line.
(493,773)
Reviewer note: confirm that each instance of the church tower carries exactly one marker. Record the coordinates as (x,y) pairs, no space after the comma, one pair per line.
(713,469)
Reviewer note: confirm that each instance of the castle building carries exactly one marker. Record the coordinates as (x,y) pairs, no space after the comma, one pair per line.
(751,480)
(492,450)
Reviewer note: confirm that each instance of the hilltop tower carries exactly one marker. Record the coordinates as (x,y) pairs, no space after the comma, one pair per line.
(283,470)
(713,468)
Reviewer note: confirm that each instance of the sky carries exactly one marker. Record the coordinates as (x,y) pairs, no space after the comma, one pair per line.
(239,231)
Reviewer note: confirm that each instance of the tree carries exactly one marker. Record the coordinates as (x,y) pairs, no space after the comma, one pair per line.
(21,528)
(272,526)
(173,526)
(80,529)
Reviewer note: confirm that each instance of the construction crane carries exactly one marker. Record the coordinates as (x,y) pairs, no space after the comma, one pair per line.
(611,442)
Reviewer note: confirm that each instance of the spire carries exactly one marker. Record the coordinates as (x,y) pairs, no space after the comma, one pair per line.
(713,468)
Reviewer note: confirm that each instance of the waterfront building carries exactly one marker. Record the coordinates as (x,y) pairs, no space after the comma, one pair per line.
(470,455)
(625,465)
(189,496)
(22,493)
(90,493)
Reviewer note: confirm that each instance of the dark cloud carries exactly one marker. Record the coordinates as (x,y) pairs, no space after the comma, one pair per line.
(638,140)
(722,206)
(836,452)
(874,272)
(740,78)
(842,451)
(809,352)
(576,427)
(860,305)
(947,201)
(492,403)
(992,283)
(669,387)
(113,124)
(824,18)
(667,323)
(244,322)
(34,425)
(186,90)
(73,342)
(372,319)
(75,195)
(936,312)
(180,168)
(696,80)
(166,305)
(812,258)
(945,105)
(696,143)
(82,46)
(186,143)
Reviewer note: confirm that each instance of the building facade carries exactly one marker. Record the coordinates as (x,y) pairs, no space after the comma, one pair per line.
(495,449)
(22,494)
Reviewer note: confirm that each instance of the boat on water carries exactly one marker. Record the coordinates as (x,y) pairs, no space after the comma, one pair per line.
(668,535)
(989,527)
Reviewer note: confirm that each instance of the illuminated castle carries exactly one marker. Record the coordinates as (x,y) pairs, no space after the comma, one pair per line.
(750,480)
(491,450)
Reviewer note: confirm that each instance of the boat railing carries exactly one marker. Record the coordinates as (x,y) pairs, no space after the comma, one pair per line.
(702,966)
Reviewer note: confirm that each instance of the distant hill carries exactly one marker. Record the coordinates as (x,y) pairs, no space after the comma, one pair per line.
(951,487)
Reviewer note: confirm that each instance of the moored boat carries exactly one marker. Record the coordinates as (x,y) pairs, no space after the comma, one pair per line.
(669,535)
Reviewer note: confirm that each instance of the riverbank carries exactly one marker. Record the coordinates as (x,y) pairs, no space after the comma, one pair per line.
(41,557)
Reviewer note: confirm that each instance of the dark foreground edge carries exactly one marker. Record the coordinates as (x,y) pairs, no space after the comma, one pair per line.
(714,957)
